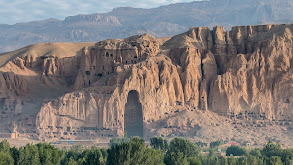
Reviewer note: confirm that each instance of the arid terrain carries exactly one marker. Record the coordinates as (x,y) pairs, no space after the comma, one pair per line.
(203,84)
(163,21)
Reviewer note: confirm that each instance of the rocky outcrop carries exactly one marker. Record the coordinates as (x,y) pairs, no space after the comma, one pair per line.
(240,74)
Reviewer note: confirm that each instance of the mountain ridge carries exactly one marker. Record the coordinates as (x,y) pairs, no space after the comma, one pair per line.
(162,21)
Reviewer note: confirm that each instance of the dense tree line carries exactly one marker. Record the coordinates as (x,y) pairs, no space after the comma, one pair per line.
(134,151)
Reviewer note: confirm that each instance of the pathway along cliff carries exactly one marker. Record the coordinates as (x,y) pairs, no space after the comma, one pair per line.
(203,84)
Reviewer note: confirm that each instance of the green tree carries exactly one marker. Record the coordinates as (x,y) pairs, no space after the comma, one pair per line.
(134,152)
(232,161)
(212,152)
(93,156)
(194,161)
(216,144)
(76,149)
(15,154)
(271,149)
(29,155)
(287,156)
(5,154)
(6,158)
(207,160)
(201,144)
(242,161)
(274,160)
(184,146)
(179,150)
(255,152)
(254,160)
(116,141)
(175,158)
(72,155)
(236,151)
(5,146)
(159,143)
(104,153)
(71,161)
(222,161)
(49,155)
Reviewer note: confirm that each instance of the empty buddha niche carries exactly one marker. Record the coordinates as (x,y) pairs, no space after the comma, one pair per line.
(133,118)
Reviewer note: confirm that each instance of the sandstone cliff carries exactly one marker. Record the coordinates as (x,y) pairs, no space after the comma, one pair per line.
(243,74)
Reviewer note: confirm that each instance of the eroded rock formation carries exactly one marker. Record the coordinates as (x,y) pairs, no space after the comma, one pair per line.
(240,74)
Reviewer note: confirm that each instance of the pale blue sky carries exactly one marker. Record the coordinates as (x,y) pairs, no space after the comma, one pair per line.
(16,11)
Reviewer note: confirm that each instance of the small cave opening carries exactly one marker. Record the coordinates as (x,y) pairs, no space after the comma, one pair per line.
(133,117)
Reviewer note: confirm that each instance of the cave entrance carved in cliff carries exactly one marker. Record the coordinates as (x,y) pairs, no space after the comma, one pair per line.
(133,117)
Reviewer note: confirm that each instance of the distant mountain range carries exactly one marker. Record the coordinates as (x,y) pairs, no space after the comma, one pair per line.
(160,22)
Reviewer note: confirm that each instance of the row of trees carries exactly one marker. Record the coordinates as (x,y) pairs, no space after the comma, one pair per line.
(134,151)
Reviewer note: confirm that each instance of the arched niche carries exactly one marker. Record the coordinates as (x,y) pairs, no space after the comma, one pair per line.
(133,117)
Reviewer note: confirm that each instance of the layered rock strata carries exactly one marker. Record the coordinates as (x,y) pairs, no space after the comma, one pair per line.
(242,74)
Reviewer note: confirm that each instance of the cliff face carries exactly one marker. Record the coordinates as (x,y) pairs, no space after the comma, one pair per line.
(253,80)
(240,74)
(241,70)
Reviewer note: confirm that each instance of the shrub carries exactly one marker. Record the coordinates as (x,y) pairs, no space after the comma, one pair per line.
(236,151)
(216,144)
(159,143)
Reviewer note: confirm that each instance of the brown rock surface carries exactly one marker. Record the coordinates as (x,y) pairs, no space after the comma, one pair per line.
(196,84)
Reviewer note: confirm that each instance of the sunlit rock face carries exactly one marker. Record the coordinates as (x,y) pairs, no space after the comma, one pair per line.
(123,86)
